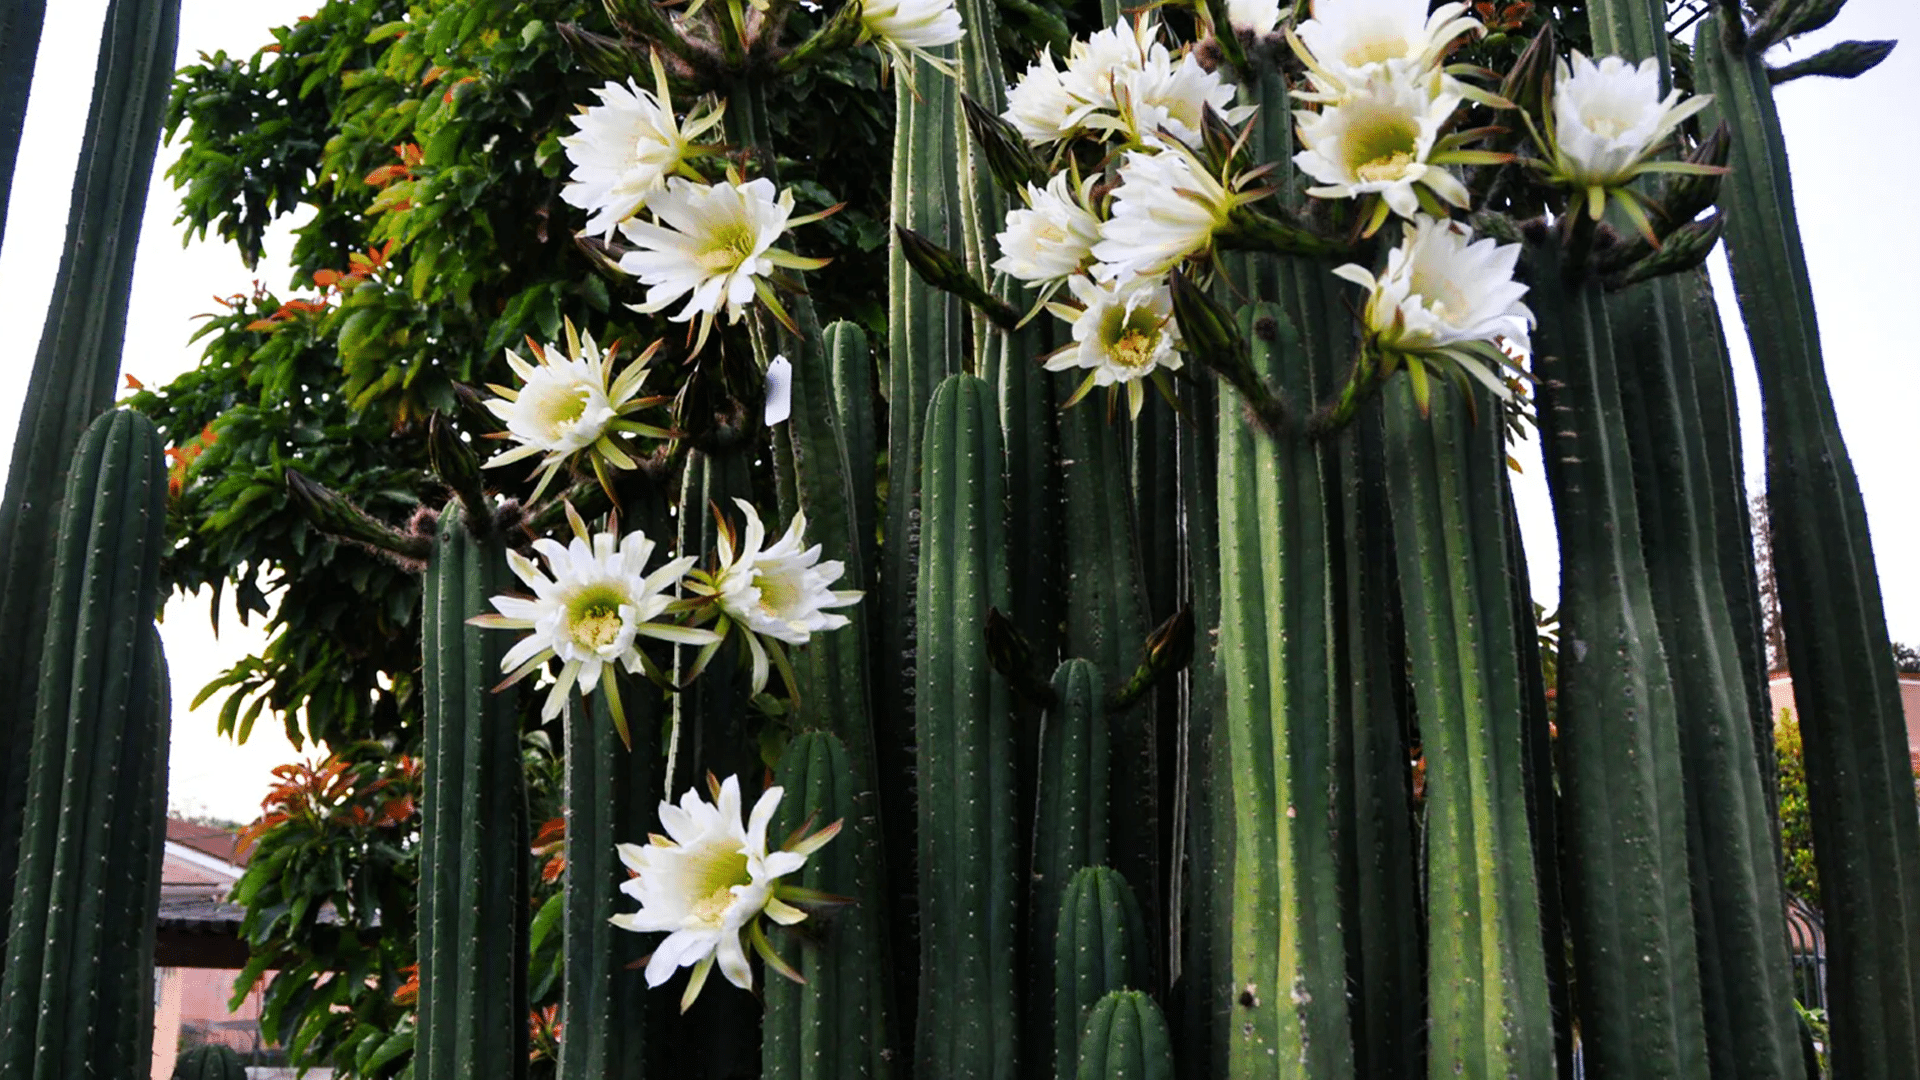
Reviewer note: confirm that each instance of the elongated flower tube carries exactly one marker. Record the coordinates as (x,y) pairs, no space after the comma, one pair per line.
(1607,118)
(1052,237)
(592,612)
(1348,43)
(565,407)
(708,881)
(1123,334)
(904,29)
(1380,140)
(625,149)
(777,593)
(1445,297)
(1166,210)
(713,245)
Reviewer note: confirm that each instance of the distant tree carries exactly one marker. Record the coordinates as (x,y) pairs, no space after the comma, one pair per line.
(1772,629)
(1796,826)
(1906,658)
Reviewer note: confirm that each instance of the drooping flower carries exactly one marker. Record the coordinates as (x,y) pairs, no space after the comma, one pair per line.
(592,612)
(1259,16)
(905,29)
(1380,140)
(1445,296)
(1348,43)
(564,407)
(625,149)
(1166,209)
(1123,333)
(773,593)
(1052,236)
(1607,118)
(708,881)
(714,245)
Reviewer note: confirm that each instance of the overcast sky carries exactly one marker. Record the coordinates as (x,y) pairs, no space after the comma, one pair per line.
(1855,153)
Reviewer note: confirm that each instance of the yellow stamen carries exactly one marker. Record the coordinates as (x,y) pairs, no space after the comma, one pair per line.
(1391,167)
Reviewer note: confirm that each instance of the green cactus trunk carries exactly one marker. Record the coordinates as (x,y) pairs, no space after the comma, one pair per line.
(76,996)
(79,355)
(212,1061)
(835,1026)
(613,797)
(1625,868)
(969,873)
(850,356)
(474,836)
(1288,955)
(1101,947)
(1866,840)
(1126,1039)
(1071,822)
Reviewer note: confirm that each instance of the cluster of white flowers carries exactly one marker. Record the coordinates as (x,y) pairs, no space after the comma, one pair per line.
(1123,89)
(1373,68)
(602,600)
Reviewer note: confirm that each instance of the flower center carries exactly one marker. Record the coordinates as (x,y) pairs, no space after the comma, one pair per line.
(594,619)
(1390,167)
(727,247)
(1607,127)
(713,884)
(778,593)
(1134,349)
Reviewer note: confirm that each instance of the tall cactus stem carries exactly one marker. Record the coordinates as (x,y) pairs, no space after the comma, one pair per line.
(968,1015)
(1100,948)
(1866,839)
(76,991)
(1070,823)
(474,835)
(20,25)
(1126,1039)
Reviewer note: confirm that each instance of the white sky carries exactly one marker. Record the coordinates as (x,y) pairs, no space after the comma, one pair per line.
(1855,149)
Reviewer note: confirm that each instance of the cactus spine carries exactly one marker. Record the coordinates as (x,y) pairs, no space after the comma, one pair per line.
(79,355)
(473,854)
(1126,1039)
(968,1017)
(1101,947)
(76,997)
(1449,515)
(835,1026)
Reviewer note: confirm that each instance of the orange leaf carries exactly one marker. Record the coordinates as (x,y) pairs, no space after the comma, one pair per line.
(433,74)
(326,278)
(135,384)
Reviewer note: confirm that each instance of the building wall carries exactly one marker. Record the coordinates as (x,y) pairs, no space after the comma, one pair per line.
(1780,689)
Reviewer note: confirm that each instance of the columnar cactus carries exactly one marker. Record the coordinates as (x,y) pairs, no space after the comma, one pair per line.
(76,997)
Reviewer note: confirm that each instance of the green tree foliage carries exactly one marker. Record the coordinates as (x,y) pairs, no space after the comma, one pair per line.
(1796,827)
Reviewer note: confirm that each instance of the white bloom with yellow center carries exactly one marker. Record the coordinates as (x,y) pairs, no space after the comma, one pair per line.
(907,28)
(625,149)
(1379,140)
(1259,16)
(1052,236)
(592,612)
(1608,116)
(1350,42)
(780,592)
(706,883)
(1166,210)
(1123,333)
(565,406)
(713,245)
(1446,295)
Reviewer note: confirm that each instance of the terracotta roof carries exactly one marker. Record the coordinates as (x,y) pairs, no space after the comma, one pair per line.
(206,839)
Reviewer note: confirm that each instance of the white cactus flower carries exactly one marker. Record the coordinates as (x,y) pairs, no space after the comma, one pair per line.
(1108,58)
(1349,42)
(1120,82)
(706,883)
(775,593)
(1608,117)
(564,407)
(1165,210)
(1172,97)
(1380,140)
(714,246)
(591,613)
(1052,236)
(908,28)
(1123,333)
(625,149)
(1259,16)
(1446,296)
(1041,108)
